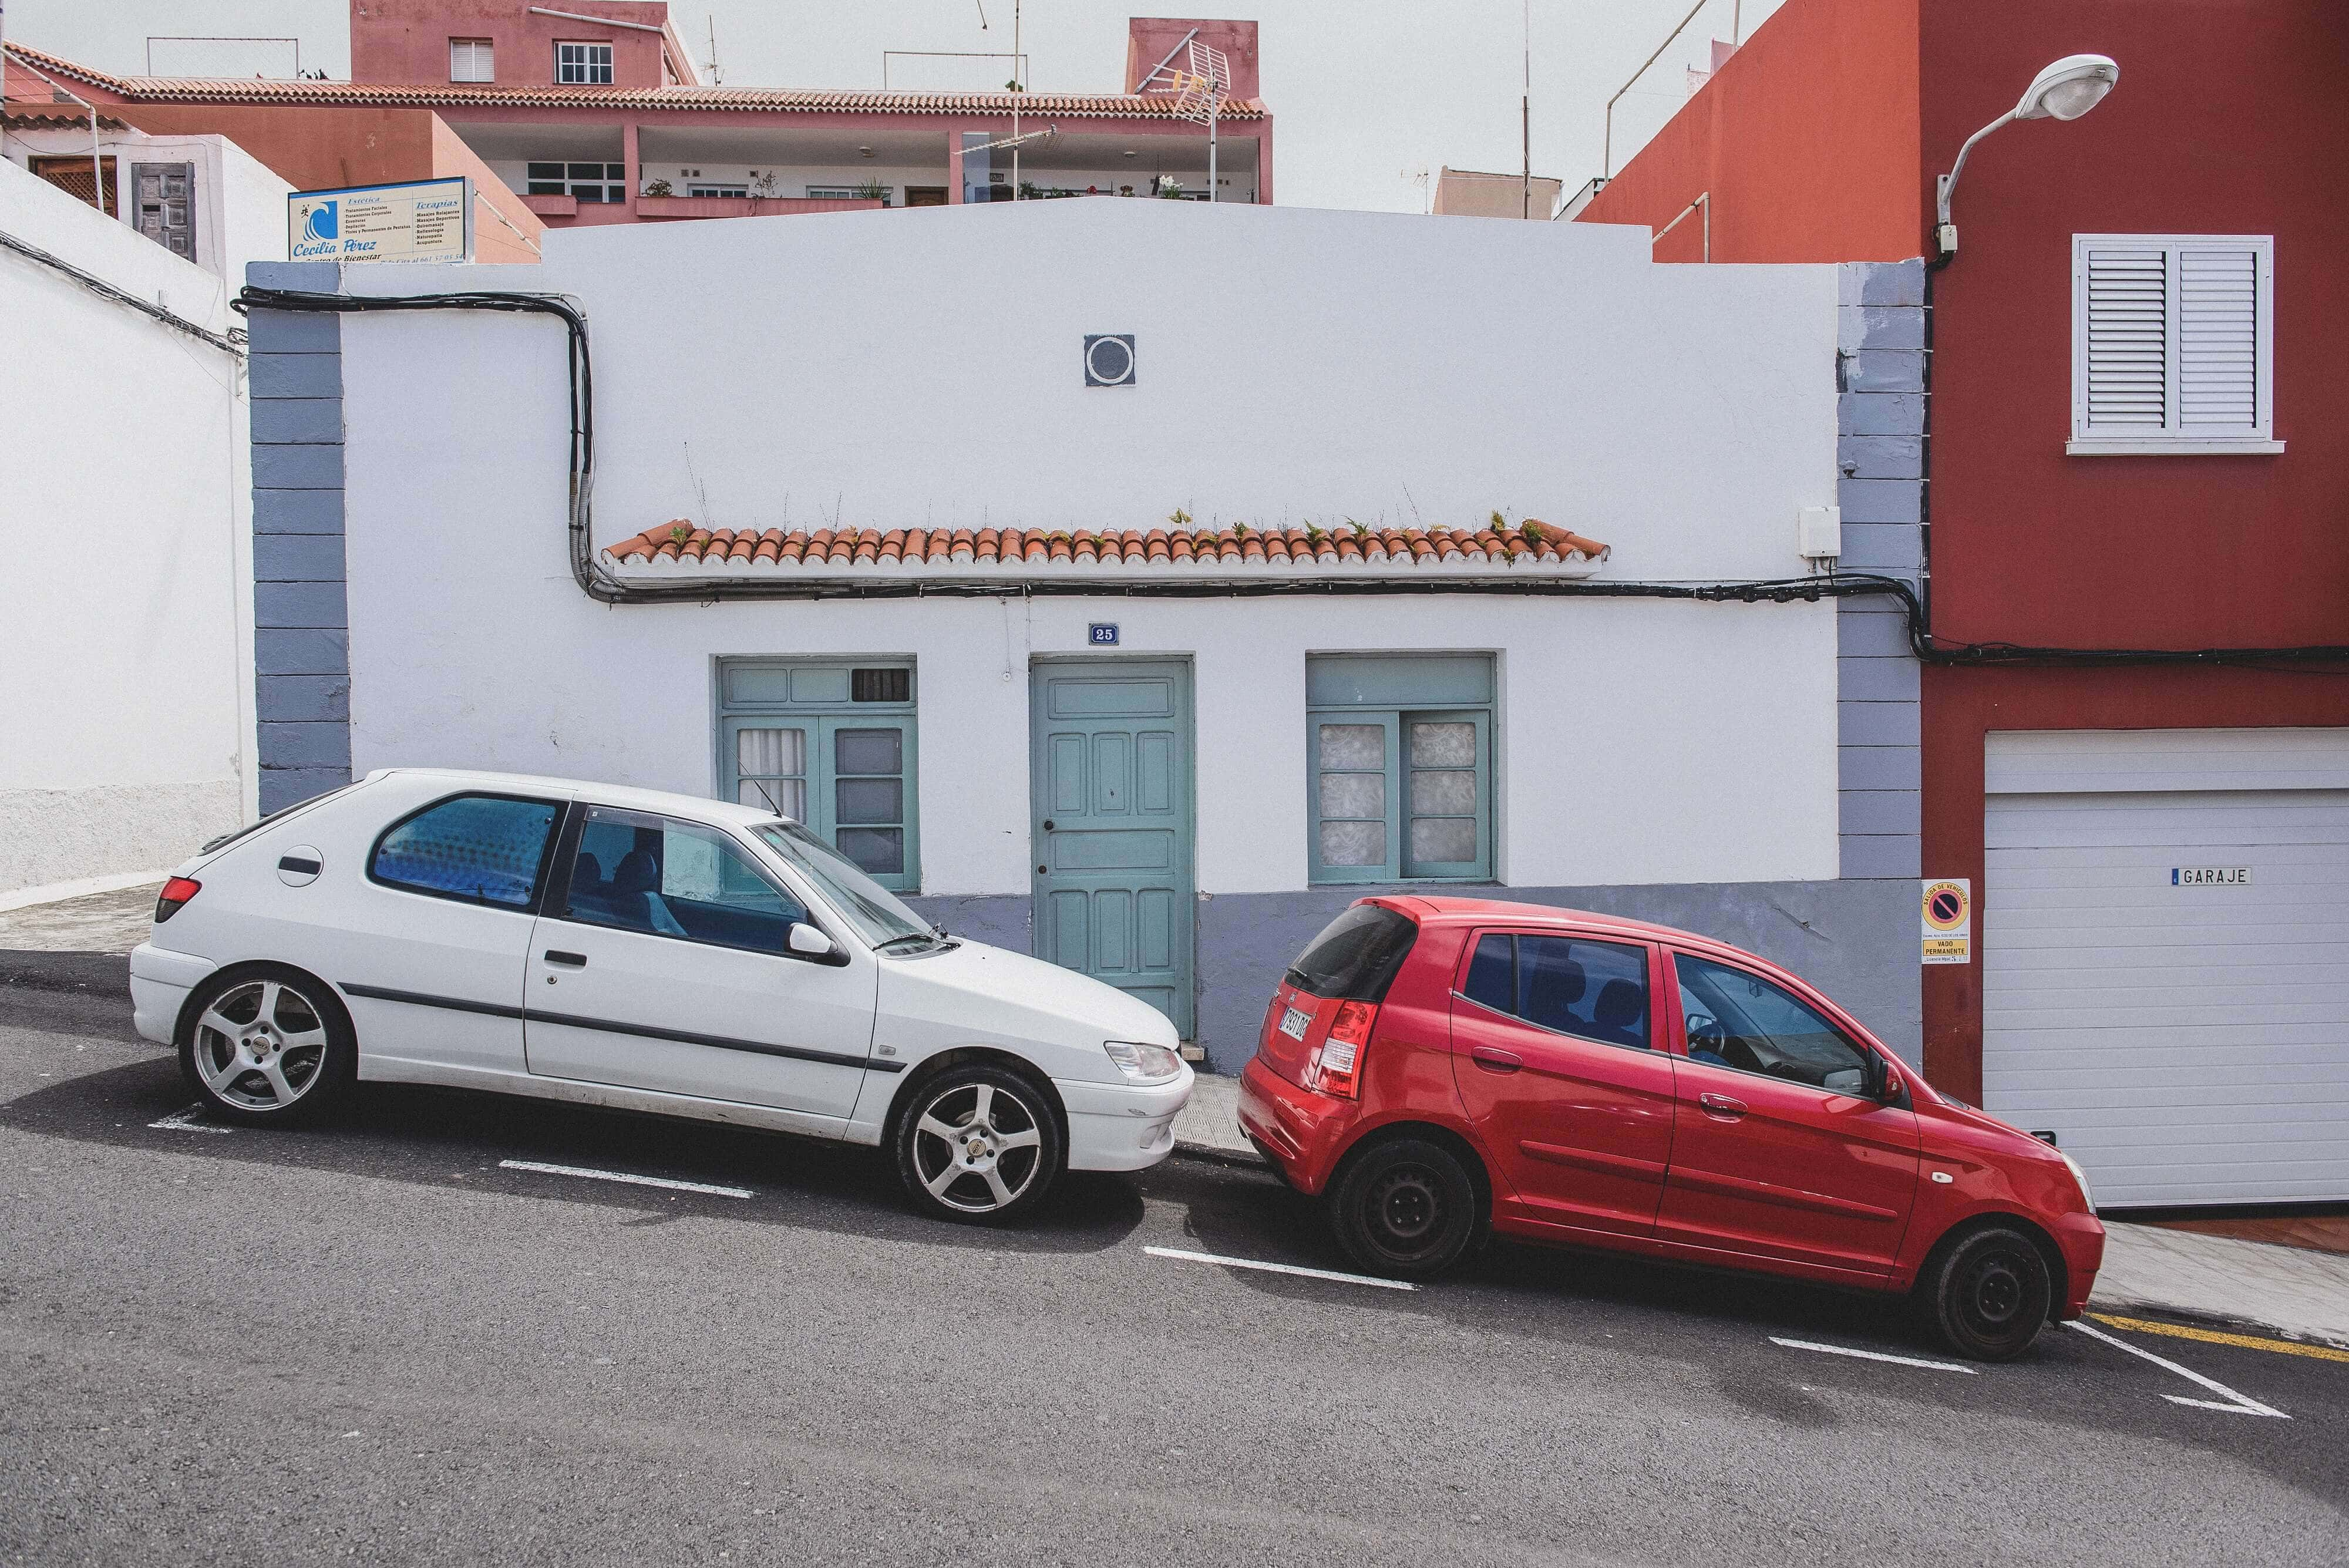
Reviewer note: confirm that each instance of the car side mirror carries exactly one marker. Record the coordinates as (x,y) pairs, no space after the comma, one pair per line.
(1889,1086)
(806,941)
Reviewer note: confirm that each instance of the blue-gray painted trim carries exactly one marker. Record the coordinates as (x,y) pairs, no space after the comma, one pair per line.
(301,643)
(1880,337)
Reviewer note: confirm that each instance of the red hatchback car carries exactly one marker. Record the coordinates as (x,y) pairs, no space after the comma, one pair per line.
(1438,1069)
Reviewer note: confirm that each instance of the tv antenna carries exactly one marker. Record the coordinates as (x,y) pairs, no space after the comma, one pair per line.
(717,72)
(1018,85)
(1201,85)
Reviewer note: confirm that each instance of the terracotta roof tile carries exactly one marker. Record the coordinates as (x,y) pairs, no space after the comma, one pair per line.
(811,100)
(686,545)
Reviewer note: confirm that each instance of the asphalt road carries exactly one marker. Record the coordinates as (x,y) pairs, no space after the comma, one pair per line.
(374,1342)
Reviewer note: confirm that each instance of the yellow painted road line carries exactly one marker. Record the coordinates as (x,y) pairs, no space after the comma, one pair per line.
(2215,1336)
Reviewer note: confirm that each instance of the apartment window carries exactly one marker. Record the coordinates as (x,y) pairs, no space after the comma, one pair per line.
(831,746)
(584,65)
(2173,344)
(717,189)
(586,182)
(1400,753)
(850,194)
(471,61)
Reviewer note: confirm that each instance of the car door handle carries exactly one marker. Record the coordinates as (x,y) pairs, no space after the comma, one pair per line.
(1493,1059)
(568,960)
(1721,1106)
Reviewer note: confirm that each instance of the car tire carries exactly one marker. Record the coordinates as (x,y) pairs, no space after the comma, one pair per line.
(1406,1209)
(1986,1294)
(268,1047)
(980,1145)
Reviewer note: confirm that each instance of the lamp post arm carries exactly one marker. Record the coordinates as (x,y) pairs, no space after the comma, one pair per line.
(1949,184)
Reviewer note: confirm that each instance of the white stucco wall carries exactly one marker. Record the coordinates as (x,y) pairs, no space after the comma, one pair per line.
(240,203)
(896,369)
(125,615)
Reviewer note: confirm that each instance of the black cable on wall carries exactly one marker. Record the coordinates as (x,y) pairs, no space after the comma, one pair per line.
(603,586)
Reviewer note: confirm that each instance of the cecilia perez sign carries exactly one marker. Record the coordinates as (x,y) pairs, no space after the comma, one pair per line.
(421,220)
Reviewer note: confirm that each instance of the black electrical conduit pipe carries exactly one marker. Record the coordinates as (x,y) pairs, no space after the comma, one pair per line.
(600,585)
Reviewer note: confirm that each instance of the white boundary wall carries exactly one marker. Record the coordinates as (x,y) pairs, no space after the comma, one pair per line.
(924,368)
(125,621)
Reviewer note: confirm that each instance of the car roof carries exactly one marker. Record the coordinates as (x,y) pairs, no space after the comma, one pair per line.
(1469,911)
(698,807)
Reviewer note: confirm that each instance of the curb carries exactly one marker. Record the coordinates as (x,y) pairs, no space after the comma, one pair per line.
(74,974)
(1213,1154)
(2187,1317)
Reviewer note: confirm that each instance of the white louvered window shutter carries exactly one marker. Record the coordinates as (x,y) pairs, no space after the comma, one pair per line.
(2173,344)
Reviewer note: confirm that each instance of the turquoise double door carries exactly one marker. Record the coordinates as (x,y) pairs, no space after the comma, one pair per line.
(1110,826)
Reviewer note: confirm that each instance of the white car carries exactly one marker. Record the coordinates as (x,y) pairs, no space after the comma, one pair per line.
(657,952)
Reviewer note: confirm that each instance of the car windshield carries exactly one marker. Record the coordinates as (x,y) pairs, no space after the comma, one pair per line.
(878,914)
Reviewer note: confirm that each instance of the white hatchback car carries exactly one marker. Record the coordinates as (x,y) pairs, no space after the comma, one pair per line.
(656,952)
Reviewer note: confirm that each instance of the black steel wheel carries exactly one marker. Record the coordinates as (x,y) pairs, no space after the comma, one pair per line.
(1405,1208)
(1987,1293)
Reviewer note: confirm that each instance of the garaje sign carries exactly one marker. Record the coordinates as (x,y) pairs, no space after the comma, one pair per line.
(1948,921)
(421,220)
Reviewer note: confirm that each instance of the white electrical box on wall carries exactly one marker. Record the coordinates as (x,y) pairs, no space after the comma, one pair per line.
(1818,532)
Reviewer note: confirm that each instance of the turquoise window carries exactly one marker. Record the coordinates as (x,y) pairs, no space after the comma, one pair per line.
(1400,748)
(829,746)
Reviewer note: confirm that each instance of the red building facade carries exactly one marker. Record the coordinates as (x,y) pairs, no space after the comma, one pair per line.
(1821,140)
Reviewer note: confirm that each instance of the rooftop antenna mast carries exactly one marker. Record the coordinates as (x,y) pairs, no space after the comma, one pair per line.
(1202,85)
(717,73)
(1525,118)
(1018,84)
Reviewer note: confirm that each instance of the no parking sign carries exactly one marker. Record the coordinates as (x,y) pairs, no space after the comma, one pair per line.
(1948,920)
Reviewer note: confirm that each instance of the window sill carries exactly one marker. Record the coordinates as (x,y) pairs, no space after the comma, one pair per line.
(2104,446)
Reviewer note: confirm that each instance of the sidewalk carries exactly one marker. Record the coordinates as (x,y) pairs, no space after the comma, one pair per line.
(109,922)
(2301,1294)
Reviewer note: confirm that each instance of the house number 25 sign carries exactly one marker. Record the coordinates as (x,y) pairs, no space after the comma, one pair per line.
(1101,634)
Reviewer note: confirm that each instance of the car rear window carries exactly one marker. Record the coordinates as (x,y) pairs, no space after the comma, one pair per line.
(1356,956)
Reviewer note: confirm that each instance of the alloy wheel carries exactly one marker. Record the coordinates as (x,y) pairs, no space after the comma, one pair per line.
(977,1148)
(259,1046)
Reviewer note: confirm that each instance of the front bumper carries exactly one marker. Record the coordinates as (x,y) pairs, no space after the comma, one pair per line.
(1122,1127)
(159,983)
(1300,1131)
(2082,1238)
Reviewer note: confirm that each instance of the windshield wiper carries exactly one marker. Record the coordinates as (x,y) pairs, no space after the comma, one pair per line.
(923,937)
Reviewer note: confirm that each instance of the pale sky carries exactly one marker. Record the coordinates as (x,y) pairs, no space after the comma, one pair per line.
(1371,96)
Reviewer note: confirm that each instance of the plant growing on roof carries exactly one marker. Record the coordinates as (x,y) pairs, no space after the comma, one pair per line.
(1362,530)
(1531,529)
(678,533)
(1239,530)
(1179,518)
(1314,534)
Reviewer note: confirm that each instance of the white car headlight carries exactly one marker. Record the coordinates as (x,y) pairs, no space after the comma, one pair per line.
(2081,1176)
(1143,1064)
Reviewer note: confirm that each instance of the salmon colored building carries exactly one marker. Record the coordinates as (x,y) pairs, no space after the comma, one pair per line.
(2125,475)
(593,111)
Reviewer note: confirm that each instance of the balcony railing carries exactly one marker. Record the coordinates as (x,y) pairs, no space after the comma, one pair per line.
(749,206)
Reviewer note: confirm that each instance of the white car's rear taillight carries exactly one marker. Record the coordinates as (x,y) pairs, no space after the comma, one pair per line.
(1336,1065)
(176,892)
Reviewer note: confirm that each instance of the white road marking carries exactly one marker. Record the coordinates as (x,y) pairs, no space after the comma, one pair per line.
(2236,1404)
(623,1176)
(1281,1269)
(185,1121)
(1872,1356)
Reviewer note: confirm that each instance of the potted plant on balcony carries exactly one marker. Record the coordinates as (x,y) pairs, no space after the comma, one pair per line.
(873,191)
(659,188)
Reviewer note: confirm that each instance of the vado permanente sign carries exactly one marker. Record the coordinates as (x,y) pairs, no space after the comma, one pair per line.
(420,220)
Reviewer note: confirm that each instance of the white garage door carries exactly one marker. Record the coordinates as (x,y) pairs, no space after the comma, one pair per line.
(2166,957)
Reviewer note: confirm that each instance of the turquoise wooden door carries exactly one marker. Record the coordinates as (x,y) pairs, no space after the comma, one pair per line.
(1111,828)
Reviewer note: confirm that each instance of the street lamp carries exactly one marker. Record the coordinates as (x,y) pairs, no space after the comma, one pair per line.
(2064,90)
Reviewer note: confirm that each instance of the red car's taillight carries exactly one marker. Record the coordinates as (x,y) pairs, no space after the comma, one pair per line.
(1337,1065)
(176,892)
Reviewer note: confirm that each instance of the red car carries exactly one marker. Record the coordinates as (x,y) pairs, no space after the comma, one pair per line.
(1438,1069)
